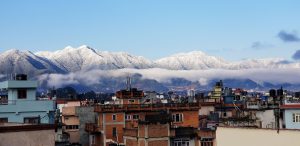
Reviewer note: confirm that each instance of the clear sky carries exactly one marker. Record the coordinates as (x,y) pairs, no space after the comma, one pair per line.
(232,29)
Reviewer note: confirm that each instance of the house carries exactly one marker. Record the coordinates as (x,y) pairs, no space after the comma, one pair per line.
(291,114)
(19,103)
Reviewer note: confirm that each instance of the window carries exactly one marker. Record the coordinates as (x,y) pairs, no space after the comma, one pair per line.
(131,100)
(136,117)
(114,132)
(296,117)
(181,142)
(32,120)
(3,120)
(177,117)
(114,117)
(206,142)
(72,127)
(127,117)
(224,114)
(22,94)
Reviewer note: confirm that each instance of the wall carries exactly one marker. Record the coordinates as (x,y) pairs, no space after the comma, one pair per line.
(27,108)
(13,94)
(267,118)
(190,119)
(205,110)
(228,136)
(288,118)
(108,123)
(28,138)
(85,115)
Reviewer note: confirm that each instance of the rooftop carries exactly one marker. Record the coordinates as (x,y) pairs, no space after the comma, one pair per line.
(16,127)
(147,107)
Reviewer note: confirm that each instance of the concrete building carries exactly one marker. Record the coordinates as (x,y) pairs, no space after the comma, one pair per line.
(18,102)
(75,115)
(16,134)
(291,115)
(239,136)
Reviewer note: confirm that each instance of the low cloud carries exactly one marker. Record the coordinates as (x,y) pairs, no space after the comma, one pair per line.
(288,37)
(93,77)
(296,56)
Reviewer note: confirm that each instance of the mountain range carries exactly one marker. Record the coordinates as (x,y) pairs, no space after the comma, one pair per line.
(66,63)
(84,58)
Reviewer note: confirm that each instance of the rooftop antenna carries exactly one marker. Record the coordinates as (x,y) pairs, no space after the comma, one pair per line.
(128,82)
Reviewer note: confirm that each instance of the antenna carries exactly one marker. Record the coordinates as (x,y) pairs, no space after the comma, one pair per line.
(128,83)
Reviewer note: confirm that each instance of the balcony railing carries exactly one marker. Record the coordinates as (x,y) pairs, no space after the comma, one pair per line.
(147,107)
(92,128)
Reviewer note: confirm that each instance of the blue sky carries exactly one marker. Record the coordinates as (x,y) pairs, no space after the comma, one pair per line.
(231,29)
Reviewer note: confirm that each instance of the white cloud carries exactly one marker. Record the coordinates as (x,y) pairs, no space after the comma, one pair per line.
(163,75)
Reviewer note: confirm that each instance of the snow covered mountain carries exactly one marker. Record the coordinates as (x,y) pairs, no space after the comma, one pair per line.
(84,58)
(87,58)
(191,61)
(198,60)
(15,61)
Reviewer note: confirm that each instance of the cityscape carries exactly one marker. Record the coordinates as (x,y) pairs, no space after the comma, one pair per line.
(149,73)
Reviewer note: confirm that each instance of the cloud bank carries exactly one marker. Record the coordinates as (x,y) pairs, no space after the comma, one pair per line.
(93,77)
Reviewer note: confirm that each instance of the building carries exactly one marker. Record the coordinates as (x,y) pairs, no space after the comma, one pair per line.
(217,91)
(158,130)
(75,114)
(291,115)
(18,102)
(16,134)
(119,124)
(245,136)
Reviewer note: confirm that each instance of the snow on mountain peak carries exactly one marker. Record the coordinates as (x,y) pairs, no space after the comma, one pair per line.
(72,59)
(190,60)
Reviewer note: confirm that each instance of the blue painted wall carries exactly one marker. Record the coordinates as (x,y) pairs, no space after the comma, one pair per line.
(288,118)
(17,109)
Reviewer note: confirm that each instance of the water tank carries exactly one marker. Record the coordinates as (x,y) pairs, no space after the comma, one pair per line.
(297,94)
(21,77)
(280,92)
(272,93)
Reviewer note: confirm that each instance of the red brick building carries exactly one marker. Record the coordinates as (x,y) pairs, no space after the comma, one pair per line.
(132,123)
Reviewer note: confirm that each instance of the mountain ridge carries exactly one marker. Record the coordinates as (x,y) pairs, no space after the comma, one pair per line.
(82,58)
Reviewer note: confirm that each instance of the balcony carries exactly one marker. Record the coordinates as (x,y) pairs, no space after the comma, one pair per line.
(147,107)
(92,128)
